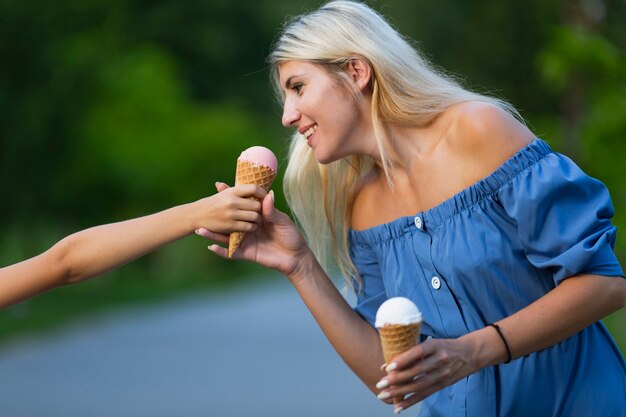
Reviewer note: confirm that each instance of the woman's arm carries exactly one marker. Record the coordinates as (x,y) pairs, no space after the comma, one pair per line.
(94,251)
(576,303)
(352,337)
(278,244)
(481,137)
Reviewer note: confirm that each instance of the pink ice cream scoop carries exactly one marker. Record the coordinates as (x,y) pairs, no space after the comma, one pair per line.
(256,165)
(259,155)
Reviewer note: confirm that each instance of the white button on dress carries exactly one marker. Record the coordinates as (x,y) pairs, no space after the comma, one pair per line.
(435,282)
(418,222)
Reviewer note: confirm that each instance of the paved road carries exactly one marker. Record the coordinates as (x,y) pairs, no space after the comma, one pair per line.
(253,353)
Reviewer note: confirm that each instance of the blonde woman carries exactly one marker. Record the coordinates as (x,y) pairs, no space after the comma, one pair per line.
(416,187)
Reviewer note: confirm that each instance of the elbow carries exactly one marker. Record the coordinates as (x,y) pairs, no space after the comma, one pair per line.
(372,387)
(61,262)
(619,292)
(613,295)
(372,379)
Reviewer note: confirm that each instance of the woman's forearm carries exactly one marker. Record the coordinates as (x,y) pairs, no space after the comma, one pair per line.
(351,336)
(573,305)
(576,303)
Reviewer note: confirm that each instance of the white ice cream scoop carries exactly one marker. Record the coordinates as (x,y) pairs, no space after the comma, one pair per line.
(397,310)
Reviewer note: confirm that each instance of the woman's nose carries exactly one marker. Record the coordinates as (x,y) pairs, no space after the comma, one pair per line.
(290,116)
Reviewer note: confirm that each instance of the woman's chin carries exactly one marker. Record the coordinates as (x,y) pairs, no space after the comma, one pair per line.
(326,158)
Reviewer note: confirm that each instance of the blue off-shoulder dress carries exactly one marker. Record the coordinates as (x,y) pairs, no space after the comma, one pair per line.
(490,251)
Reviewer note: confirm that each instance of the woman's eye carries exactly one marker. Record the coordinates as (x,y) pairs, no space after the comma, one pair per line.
(297,87)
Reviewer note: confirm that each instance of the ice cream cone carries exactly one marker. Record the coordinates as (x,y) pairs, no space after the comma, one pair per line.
(396,339)
(250,173)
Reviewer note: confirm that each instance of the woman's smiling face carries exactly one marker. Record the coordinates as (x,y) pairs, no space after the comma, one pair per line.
(322,109)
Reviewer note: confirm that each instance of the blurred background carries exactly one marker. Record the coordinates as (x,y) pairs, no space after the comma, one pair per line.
(116,109)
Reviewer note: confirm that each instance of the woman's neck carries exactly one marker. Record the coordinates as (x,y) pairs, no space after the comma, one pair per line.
(408,145)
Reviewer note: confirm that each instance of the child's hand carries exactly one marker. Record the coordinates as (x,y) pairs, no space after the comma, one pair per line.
(235,209)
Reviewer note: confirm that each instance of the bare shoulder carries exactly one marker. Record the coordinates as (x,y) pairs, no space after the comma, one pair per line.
(484,134)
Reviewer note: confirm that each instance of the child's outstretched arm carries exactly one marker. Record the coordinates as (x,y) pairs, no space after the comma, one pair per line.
(94,251)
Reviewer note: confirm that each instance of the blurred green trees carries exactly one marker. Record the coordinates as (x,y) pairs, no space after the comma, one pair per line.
(114,109)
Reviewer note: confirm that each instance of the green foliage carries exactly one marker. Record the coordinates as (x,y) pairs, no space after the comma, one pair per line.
(572,50)
(114,109)
(592,63)
(146,138)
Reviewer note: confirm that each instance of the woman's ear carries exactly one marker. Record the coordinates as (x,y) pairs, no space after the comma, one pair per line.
(360,71)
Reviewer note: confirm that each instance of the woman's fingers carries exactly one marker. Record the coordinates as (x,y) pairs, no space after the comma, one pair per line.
(409,357)
(424,370)
(273,215)
(418,377)
(267,209)
(409,401)
(217,237)
(220,251)
(417,384)
(408,375)
(423,386)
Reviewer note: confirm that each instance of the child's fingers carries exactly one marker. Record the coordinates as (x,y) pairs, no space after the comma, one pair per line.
(248,207)
(221,186)
(250,190)
(251,216)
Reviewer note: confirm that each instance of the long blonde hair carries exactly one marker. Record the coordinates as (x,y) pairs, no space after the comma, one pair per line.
(406,90)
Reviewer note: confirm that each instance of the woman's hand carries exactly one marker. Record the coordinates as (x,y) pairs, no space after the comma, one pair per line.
(276,243)
(427,368)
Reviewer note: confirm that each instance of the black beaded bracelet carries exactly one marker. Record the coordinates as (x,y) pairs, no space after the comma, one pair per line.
(506,345)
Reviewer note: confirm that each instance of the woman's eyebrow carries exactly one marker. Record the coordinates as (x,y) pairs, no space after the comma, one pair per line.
(289,80)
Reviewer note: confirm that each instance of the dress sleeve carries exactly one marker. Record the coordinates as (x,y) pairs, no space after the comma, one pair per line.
(371,292)
(563,217)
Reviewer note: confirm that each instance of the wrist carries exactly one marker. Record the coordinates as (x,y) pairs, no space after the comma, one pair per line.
(188,216)
(305,265)
(486,347)
(196,214)
(509,356)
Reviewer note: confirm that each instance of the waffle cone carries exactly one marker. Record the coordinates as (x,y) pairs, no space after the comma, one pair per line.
(396,339)
(249,173)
